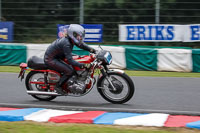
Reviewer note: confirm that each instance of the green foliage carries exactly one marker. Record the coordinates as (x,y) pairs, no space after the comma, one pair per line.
(117,12)
(37,20)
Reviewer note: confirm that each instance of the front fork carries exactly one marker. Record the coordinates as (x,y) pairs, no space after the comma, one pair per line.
(107,76)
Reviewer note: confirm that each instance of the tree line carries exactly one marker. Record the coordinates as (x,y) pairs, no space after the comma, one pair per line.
(35,21)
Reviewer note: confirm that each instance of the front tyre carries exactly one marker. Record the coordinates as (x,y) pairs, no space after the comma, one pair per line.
(36,76)
(124,87)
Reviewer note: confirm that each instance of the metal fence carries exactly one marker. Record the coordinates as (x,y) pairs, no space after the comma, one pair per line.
(36,21)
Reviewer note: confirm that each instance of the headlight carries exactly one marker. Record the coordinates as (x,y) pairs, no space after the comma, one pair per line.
(105,57)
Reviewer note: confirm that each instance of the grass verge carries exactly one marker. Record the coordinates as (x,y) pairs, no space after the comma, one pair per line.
(161,74)
(32,127)
(16,69)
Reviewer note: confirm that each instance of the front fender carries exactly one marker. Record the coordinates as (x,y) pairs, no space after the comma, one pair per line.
(111,71)
(116,70)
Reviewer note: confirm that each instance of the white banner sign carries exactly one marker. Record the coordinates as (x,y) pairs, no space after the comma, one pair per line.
(159,33)
(191,33)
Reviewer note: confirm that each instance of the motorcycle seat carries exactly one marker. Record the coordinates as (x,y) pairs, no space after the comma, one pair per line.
(36,63)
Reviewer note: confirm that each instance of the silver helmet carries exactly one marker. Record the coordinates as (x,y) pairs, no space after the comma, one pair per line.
(77,33)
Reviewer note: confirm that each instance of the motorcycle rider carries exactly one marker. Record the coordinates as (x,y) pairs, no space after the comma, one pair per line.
(62,48)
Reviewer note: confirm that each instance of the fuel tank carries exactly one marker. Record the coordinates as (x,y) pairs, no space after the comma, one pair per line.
(82,59)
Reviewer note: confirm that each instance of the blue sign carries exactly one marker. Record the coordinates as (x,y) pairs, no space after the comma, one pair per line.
(6,31)
(93,32)
(195,32)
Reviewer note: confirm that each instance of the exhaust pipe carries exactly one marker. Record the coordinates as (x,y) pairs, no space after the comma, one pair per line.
(43,93)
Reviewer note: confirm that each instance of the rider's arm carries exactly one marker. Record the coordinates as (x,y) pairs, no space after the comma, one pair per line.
(84,46)
(68,56)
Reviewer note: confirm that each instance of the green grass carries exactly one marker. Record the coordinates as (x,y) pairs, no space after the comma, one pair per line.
(16,69)
(161,74)
(32,127)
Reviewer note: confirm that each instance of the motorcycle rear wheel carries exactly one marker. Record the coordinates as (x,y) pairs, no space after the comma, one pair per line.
(124,88)
(32,76)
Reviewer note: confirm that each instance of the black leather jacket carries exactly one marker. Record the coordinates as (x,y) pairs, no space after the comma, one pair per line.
(62,48)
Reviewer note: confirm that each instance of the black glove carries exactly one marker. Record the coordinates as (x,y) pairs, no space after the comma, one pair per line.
(93,51)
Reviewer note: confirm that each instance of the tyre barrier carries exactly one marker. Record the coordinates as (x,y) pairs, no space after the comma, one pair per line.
(124,57)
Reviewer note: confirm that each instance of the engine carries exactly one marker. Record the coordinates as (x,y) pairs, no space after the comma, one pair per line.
(82,75)
(77,83)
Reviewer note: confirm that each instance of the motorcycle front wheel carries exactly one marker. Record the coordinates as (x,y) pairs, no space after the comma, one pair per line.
(36,76)
(123,87)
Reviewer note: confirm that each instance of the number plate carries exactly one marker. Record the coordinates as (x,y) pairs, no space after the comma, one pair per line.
(108,57)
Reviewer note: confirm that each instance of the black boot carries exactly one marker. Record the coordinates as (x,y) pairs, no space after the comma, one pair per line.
(58,87)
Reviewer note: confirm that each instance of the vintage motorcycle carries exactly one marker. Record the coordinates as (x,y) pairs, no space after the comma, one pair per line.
(113,84)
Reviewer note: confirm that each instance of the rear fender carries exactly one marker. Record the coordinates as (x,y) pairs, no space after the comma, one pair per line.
(23,67)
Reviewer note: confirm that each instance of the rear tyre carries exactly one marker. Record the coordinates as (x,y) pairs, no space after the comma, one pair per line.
(37,76)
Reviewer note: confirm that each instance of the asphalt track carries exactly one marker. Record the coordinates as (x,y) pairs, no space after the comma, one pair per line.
(152,95)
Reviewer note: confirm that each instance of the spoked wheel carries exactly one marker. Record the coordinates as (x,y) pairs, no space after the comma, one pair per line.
(35,76)
(120,91)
